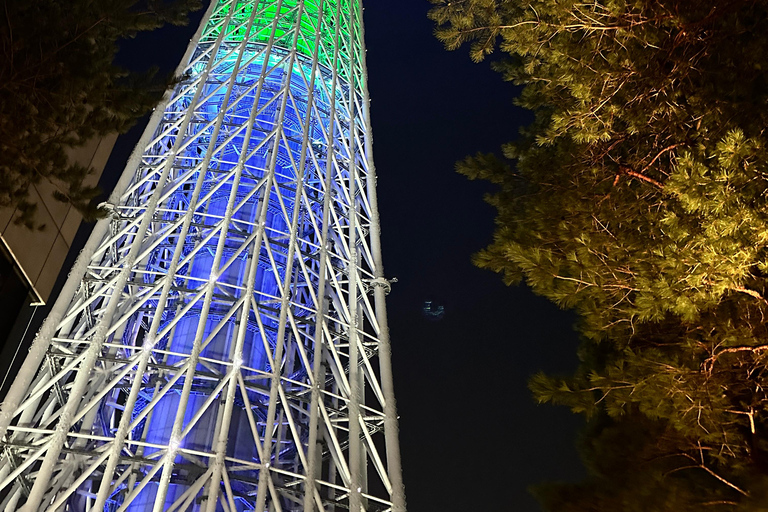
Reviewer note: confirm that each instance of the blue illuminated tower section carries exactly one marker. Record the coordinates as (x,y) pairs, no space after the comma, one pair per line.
(221,343)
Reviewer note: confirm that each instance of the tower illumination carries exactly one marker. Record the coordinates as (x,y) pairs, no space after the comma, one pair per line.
(221,343)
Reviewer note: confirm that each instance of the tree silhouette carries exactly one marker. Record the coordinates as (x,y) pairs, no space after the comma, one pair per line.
(638,197)
(59,88)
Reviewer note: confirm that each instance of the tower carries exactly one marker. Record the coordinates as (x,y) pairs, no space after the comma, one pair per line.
(221,343)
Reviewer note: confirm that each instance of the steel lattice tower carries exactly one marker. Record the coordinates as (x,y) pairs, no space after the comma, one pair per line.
(221,343)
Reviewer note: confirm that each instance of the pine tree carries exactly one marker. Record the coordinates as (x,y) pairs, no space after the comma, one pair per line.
(59,88)
(638,198)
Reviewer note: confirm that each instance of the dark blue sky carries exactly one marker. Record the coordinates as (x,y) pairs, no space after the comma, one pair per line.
(472,437)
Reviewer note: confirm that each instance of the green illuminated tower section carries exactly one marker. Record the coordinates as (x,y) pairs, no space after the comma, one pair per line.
(221,343)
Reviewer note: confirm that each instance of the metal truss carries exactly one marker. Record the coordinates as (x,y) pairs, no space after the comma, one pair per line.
(221,343)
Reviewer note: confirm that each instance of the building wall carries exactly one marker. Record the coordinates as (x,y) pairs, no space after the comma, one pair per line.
(30,261)
(37,256)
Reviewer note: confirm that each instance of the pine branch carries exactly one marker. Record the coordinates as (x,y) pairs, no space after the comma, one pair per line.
(642,177)
(668,148)
(733,350)
(726,482)
(700,465)
(750,414)
(755,349)
(751,293)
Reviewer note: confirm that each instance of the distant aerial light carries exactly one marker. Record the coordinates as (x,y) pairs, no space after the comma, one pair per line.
(433,311)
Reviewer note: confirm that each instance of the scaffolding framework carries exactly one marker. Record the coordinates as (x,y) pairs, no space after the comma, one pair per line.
(221,343)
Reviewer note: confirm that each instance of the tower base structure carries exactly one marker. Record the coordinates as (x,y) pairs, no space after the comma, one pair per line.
(221,343)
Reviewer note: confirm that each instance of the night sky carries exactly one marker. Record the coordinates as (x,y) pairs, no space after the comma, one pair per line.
(472,437)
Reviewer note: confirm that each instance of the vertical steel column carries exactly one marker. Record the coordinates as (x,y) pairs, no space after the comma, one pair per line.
(380,290)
